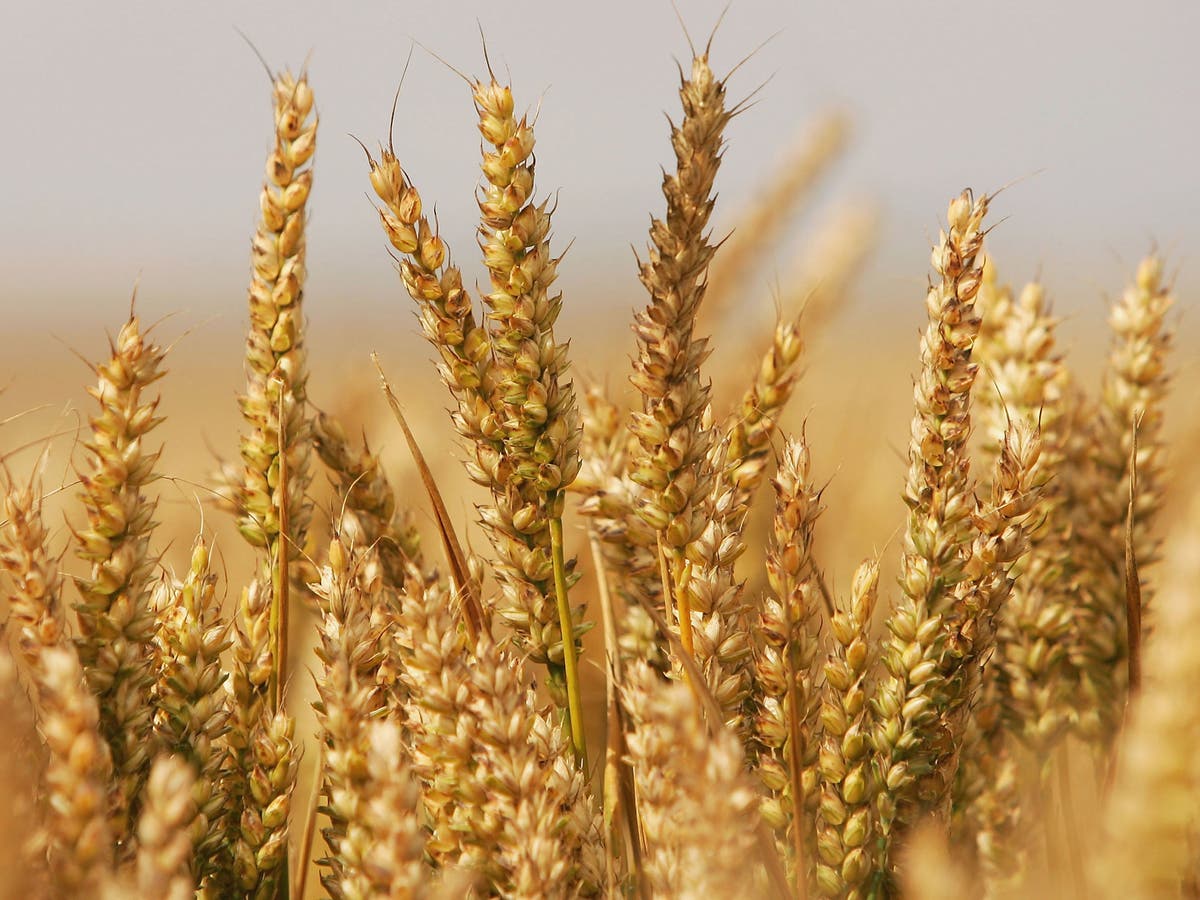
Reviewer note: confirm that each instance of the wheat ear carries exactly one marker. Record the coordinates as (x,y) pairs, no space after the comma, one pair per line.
(846,782)
(273,510)
(1148,846)
(192,703)
(540,418)
(79,835)
(116,622)
(698,805)
(164,857)
(388,828)
(351,652)
(1027,380)
(809,158)
(785,671)
(22,853)
(669,460)
(910,700)
(1133,391)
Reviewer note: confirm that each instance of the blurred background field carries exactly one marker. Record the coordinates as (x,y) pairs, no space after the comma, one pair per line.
(138,154)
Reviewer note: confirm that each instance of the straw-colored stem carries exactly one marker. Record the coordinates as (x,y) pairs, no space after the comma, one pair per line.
(279,594)
(680,572)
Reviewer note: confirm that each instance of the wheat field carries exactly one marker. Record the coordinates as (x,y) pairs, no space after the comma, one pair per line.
(673,607)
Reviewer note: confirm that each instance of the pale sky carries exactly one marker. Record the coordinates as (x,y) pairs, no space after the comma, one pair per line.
(135,134)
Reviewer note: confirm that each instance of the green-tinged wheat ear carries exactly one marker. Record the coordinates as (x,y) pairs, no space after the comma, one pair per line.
(272,502)
(116,621)
(264,756)
(540,418)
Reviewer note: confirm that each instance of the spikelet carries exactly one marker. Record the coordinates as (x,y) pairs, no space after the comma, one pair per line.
(846,782)
(785,676)
(192,704)
(116,622)
(78,834)
(1133,391)
(164,857)
(937,540)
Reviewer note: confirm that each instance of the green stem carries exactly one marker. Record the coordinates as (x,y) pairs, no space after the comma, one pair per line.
(570,661)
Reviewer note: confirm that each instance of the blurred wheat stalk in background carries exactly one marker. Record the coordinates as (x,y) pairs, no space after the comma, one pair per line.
(762,732)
